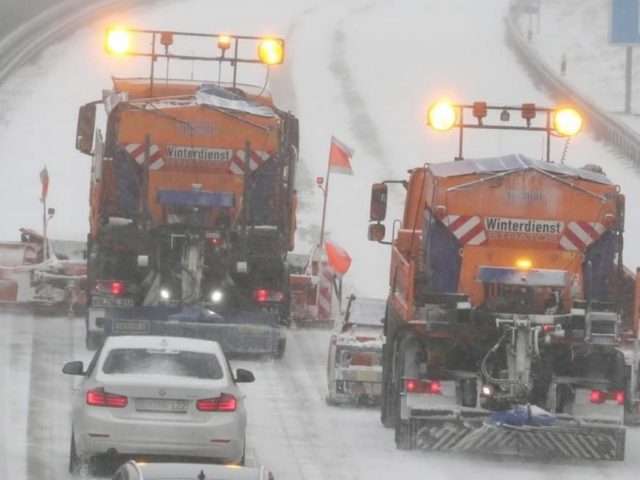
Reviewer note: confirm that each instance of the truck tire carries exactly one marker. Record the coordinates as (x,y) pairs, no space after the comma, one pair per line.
(405,366)
(93,341)
(387,416)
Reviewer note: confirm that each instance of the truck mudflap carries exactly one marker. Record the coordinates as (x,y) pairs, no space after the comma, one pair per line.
(565,439)
(247,333)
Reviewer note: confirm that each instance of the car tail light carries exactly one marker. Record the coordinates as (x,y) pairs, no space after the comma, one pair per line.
(224,403)
(263,295)
(432,387)
(600,396)
(99,398)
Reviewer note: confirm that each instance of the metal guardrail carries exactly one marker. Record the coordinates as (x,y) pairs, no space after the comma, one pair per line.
(602,124)
(30,39)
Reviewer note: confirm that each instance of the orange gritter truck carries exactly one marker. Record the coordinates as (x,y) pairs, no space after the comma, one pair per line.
(511,323)
(192,197)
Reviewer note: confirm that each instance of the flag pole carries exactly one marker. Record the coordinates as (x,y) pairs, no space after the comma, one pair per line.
(44,228)
(325,191)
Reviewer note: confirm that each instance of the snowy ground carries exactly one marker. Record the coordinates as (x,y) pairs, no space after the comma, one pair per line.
(363,70)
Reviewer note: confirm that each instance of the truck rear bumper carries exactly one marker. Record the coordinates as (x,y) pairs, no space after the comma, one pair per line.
(566,439)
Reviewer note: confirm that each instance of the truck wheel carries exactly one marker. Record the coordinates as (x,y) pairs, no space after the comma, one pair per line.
(403,435)
(387,416)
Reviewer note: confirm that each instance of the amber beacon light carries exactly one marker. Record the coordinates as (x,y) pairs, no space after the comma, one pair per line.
(118,41)
(271,51)
(441,116)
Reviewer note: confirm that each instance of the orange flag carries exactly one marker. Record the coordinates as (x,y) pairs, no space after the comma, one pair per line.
(44,180)
(340,157)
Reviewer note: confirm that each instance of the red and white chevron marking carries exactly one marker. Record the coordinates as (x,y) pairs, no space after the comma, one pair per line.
(467,229)
(136,150)
(324,291)
(256,158)
(579,235)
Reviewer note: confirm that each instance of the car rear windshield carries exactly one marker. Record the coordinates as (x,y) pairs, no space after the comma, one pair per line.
(137,361)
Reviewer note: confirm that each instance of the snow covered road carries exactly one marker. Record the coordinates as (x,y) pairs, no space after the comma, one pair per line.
(362,70)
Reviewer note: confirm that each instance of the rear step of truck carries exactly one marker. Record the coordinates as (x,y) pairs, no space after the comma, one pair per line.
(564,440)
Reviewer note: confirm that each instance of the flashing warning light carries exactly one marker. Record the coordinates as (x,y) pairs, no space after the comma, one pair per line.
(523,264)
(166,39)
(216,296)
(567,122)
(271,51)
(118,41)
(441,116)
(224,42)
(479,110)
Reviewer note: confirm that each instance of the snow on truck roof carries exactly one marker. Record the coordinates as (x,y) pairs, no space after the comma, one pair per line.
(180,93)
(513,162)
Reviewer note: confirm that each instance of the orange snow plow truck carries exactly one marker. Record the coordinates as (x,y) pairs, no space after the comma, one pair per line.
(511,324)
(192,196)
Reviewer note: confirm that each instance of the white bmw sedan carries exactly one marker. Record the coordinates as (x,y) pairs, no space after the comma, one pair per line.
(151,396)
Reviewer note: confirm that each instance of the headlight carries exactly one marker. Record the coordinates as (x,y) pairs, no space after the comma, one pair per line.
(165,294)
(216,296)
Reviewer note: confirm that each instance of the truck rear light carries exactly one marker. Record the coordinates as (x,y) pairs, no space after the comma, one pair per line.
(110,287)
(224,403)
(99,398)
(600,396)
(432,387)
(263,295)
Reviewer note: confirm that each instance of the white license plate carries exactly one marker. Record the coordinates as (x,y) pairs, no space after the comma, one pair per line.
(161,405)
(111,302)
(131,326)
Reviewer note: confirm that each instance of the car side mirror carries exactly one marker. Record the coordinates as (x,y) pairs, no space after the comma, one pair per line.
(85,128)
(377,232)
(244,376)
(73,368)
(378,207)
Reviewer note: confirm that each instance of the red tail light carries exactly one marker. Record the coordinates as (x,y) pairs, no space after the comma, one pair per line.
(599,396)
(110,287)
(432,387)
(260,295)
(99,398)
(224,403)
(263,295)
(116,288)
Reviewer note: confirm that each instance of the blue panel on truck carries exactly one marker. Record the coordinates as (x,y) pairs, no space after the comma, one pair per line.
(195,198)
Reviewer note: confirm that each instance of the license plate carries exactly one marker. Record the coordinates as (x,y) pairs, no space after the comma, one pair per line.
(161,405)
(111,302)
(131,326)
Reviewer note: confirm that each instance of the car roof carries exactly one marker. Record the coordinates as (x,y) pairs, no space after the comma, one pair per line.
(367,311)
(162,342)
(190,471)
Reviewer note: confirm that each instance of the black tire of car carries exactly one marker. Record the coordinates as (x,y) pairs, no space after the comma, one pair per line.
(74,460)
(278,354)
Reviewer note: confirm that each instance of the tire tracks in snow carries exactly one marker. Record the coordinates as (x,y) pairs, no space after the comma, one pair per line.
(361,122)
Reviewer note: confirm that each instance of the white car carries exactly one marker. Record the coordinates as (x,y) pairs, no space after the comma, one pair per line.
(190,471)
(157,397)
(354,364)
